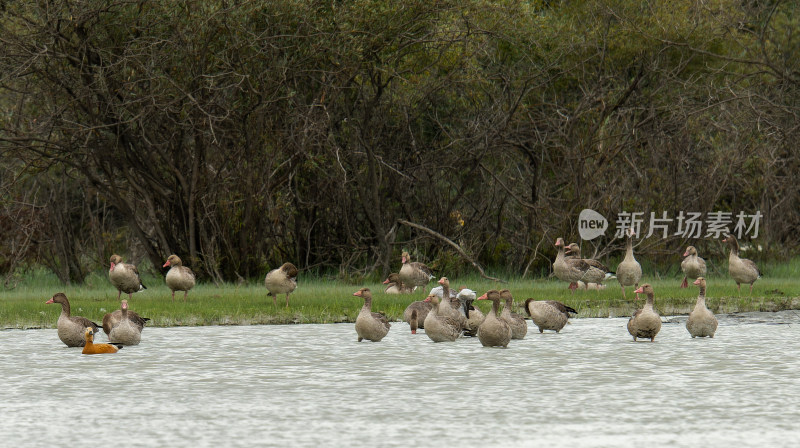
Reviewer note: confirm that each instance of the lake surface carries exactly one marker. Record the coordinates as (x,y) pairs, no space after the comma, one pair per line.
(314,385)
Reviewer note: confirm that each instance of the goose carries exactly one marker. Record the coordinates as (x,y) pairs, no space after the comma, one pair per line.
(574,269)
(90,348)
(474,315)
(417,312)
(452,307)
(701,322)
(395,286)
(370,326)
(573,251)
(494,332)
(519,328)
(692,266)
(629,271)
(441,327)
(179,277)
(124,277)
(414,274)
(71,329)
(282,280)
(645,322)
(548,314)
(741,270)
(124,326)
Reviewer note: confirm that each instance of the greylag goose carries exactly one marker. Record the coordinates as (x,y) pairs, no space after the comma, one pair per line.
(395,286)
(179,277)
(474,316)
(741,270)
(124,326)
(548,314)
(90,348)
(645,322)
(629,271)
(414,274)
(574,269)
(494,332)
(702,321)
(452,307)
(519,328)
(573,251)
(124,277)
(441,327)
(692,266)
(71,329)
(282,280)
(417,312)
(370,326)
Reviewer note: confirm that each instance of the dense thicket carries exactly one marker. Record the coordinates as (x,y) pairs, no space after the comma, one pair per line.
(242,134)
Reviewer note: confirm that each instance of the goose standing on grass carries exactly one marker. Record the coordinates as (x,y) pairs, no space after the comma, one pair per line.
(519,328)
(124,277)
(441,327)
(415,314)
(629,271)
(741,270)
(548,314)
(179,277)
(494,332)
(692,266)
(474,316)
(124,326)
(395,286)
(645,322)
(370,326)
(414,274)
(282,280)
(567,269)
(702,322)
(71,329)
(90,348)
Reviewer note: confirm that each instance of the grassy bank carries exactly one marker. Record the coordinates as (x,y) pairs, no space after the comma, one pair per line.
(326,301)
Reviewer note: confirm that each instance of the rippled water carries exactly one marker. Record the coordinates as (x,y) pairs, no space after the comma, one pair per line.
(311,385)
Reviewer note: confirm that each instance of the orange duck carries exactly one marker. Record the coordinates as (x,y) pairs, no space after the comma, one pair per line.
(90,348)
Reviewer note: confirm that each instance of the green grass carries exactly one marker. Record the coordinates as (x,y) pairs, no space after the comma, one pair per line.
(319,300)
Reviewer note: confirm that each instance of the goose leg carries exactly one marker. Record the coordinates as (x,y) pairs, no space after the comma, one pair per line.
(287,300)
(173,296)
(185,293)
(623,292)
(685,283)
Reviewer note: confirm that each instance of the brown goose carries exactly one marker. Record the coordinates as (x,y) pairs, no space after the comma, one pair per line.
(420,309)
(629,271)
(71,329)
(124,326)
(741,270)
(395,286)
(440,327)
(573,251)
(702,322)
(474,316)
(179,277)
(370,326)
(548,314)
(519,328)
(494,332)
(282,280)
(414,274)
(645,322)
(573,269)
(692,266)
(453,307)
(124,277)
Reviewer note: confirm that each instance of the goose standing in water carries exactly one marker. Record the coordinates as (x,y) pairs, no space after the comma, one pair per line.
(124,277)
(414,274)
(124,326)
(71,329)
(629,271)
(474,316)
(692,266)
(179,277)
(369,325)
(442,326)
(741,270)
(494,332)
(519,328)
(90,348)
(645,322)
(702,322)
(548,314)
(282,280)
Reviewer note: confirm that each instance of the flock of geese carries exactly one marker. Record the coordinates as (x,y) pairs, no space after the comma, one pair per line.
(445,314)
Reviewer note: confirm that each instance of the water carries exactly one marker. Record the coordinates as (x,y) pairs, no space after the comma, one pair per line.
(314,385)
